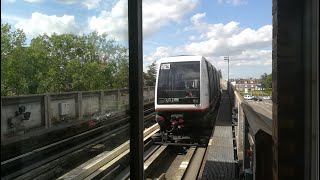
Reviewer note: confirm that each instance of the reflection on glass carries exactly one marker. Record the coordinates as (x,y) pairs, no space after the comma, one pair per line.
(64,85)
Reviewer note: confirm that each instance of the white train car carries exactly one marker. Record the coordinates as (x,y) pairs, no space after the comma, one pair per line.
(187,95)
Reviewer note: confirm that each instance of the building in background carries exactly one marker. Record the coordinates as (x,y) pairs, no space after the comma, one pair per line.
(246,85)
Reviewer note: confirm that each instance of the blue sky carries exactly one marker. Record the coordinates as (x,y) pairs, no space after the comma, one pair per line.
(241,29)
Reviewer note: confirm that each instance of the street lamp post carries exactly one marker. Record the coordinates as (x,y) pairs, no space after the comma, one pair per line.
(227,58)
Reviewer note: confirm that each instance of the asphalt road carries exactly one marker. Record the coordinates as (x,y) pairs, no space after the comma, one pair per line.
(263,109)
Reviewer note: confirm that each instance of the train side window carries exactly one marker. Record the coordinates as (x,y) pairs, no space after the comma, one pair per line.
(210,78)
(213,80)
(216,80)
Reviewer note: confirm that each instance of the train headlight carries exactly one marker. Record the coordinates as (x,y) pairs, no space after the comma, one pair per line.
(196,101)
(176,116)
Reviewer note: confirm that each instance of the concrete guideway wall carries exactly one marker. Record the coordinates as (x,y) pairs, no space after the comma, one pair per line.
(44,108)
(253,139)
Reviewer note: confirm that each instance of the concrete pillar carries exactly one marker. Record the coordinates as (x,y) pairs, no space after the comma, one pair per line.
(311,65)
(47,110)
(119,99)
(240,131)
(288,90)
(246,144)
(149,94)
(79,105)
(101,100)
(263,156)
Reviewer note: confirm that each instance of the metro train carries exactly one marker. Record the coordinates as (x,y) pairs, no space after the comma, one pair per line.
(187,96)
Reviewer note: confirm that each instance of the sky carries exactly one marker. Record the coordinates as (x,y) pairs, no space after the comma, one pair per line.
(240,29)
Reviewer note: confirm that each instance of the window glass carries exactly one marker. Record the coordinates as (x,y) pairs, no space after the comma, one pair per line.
(64,86)
(179,81)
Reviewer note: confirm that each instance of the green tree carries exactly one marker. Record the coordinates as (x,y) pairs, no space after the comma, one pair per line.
(150,76)
(114,58)
(268,82)
(79,63)
(121,76)
(12,61)
(59,63)
(263,81)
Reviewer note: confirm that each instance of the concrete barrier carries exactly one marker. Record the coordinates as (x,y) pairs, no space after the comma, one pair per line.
(47,110)
(254,140)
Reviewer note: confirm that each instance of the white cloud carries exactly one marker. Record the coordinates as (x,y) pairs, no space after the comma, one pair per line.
(156,14)
(226,39)
(90,4)
(114,23)
(233,44)
(8,1)
(160,52)
(246,47)
(34,1)
(42,23)
(11,18)
(197,18)
(251,58)
(233,2)
(68,1)
(216,31)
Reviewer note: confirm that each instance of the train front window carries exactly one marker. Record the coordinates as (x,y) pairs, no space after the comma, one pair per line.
(179,83)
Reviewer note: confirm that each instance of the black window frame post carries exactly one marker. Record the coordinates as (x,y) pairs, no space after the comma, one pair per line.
(136,88)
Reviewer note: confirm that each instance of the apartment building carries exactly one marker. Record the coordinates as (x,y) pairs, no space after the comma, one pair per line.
(250,84)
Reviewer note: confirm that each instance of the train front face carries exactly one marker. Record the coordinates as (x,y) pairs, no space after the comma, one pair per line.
(179,105)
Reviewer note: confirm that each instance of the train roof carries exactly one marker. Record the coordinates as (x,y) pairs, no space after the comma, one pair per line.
(181,58)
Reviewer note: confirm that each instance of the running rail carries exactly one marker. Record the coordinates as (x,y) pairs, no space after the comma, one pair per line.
(92,168)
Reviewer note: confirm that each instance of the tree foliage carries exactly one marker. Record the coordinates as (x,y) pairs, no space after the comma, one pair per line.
(150,76)
(60,63)
(266,81)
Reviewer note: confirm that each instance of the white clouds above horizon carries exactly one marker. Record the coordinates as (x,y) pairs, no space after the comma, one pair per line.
(216,31)
(232,43)
(246,47)
(41,23)
(114,22)
(223,39)
(156,14)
